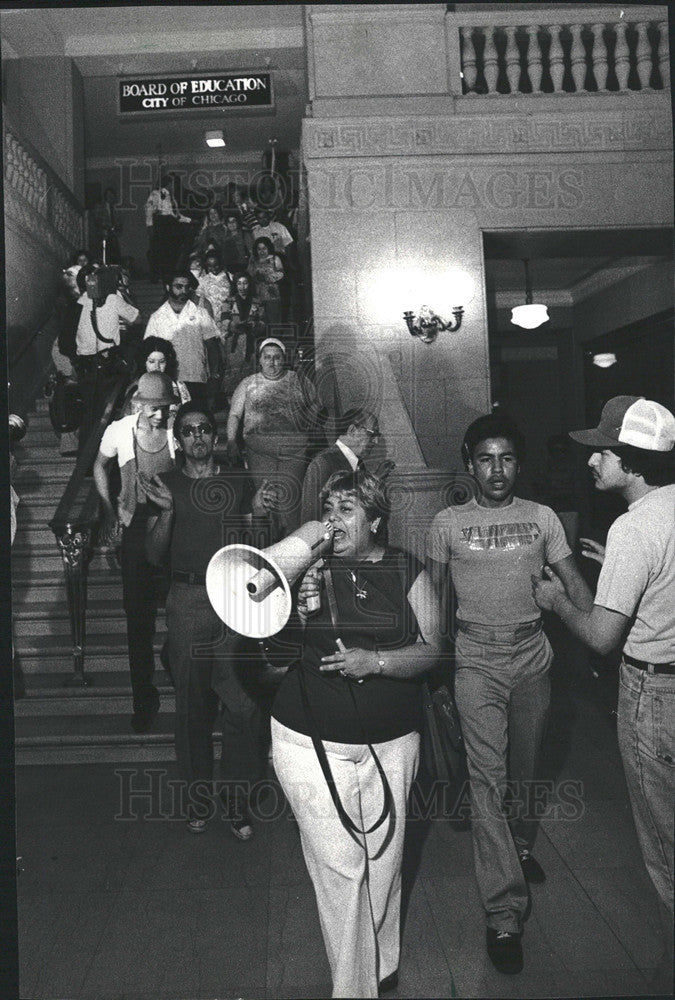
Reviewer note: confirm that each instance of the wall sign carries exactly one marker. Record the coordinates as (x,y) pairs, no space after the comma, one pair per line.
(207,91)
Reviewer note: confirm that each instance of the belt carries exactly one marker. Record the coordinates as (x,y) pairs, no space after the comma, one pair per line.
(653,668)
(196,578)
(500,633)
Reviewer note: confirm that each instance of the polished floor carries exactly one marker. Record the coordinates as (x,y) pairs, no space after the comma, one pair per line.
(137,908)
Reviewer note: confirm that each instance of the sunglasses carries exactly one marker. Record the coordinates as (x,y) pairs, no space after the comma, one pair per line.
(192,430)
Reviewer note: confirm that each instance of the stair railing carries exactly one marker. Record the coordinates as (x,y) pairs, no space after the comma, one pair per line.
(74,524)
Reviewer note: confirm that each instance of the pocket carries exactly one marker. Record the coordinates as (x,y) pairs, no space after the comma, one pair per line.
(663,710)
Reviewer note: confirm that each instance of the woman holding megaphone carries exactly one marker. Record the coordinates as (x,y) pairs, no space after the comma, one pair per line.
(345,729)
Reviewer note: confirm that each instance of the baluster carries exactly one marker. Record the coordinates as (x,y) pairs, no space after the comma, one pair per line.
(643,55)
(663,54)
(555,56)
(534,66)
(578,58)
(75,546)
(622,55)
(469,67)
(600,68)
(490,65)
(512,58)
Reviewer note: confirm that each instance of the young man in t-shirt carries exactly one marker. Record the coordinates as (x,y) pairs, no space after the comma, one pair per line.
(491,546)
(199,509)
(633,456)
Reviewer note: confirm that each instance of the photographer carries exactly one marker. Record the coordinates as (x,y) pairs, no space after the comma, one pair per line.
(99,361)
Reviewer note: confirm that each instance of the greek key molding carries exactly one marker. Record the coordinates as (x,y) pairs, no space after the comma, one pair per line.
(474,134)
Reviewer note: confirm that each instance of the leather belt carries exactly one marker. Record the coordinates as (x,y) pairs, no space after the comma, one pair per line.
(195,578)
(652,668)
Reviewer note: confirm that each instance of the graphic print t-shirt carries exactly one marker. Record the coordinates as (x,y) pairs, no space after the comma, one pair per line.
(492,553)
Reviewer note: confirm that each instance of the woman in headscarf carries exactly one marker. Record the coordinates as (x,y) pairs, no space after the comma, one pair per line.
(277,408)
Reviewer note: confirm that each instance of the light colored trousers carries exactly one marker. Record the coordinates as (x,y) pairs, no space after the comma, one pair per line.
(646,733)
(358,893)
(502,690)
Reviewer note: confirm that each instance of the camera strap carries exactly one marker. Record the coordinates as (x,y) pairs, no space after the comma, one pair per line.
(99,335)
(387,805)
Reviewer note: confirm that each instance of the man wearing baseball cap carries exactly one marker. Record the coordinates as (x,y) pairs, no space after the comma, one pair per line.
(633,456)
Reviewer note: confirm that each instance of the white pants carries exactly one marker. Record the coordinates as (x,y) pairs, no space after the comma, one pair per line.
(358,893)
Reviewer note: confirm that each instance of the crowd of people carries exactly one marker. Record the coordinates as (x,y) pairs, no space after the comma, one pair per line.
(345,716)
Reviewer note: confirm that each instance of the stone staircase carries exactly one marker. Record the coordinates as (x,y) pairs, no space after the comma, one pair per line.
(54,722)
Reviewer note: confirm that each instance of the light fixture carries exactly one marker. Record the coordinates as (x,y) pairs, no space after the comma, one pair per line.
(457,288)
(604,360)
(215,138)
(532,314)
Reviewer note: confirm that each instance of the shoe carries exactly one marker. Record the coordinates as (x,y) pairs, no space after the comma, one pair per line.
(241,829)
(532,870)
(504,950)
(389,983)
(196,825)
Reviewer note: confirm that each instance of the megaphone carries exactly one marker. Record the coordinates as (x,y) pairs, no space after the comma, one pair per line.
(249,588)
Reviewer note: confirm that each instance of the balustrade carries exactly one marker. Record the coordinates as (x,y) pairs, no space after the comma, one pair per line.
(576,52)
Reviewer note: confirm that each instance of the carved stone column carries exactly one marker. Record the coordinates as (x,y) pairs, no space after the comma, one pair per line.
(75,546)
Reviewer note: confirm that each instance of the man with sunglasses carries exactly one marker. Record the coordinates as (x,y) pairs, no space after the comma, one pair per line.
(197,510)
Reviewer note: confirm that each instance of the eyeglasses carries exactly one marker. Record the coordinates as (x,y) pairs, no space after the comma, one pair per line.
(372,434)
(192,430)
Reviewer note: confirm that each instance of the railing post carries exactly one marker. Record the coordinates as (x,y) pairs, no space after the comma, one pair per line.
(490,62)
(75,546)
(622,55)
(469,67)
(535,68)
(555,58)
(599,56)
(512,60)
(643,55)
(663,55)
(578,58)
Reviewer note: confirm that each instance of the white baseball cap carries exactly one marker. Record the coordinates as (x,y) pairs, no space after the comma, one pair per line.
(633,420)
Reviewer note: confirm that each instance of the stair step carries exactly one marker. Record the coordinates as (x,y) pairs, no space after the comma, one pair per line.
(84,701)
(95,664)
(47,461)
(102,569)
(98,609)
(114,683)
(26,597)
(33,534)
(111,643)
(27,627)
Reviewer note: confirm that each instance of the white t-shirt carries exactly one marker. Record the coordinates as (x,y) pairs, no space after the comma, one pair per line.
(108,317)
(493,551)
(188,331)
(276,232)
(638,575)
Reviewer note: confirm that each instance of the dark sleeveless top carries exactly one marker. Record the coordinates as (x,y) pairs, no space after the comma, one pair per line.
(386,708)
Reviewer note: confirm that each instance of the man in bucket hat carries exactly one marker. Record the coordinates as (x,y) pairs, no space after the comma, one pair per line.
(141,444)
(632,455)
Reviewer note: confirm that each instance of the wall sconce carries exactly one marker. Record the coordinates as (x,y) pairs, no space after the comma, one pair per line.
(455,286)
(604,360)
(532,314)
(215,138)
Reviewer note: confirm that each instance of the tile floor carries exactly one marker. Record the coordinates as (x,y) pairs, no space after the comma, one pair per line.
(137,909)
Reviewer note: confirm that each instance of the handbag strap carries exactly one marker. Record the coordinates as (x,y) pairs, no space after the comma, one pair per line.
(99,335)
(387,804)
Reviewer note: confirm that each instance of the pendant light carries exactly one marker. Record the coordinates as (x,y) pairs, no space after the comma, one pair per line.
(532,314)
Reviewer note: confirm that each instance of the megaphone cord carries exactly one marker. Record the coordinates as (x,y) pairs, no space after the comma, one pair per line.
(350,826)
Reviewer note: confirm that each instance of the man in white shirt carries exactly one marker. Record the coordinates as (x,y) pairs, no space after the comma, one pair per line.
(633,456)
(347,454)
(193,334)
(98,362)
(274,231)
(166,229)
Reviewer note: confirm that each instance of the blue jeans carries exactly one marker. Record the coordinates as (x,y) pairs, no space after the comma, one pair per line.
(503,692)
(646,732)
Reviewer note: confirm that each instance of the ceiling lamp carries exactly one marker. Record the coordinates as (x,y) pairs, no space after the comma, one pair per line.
(215,138)
(532,314)
(604,360)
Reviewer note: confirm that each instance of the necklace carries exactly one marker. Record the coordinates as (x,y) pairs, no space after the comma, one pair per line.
(360,592)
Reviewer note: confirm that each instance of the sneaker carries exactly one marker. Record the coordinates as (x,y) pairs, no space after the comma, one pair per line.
(532,870)
(504,950)
(241,829)
(196,825)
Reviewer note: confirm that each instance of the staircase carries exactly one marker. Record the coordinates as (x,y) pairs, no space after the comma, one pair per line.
(56,723)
